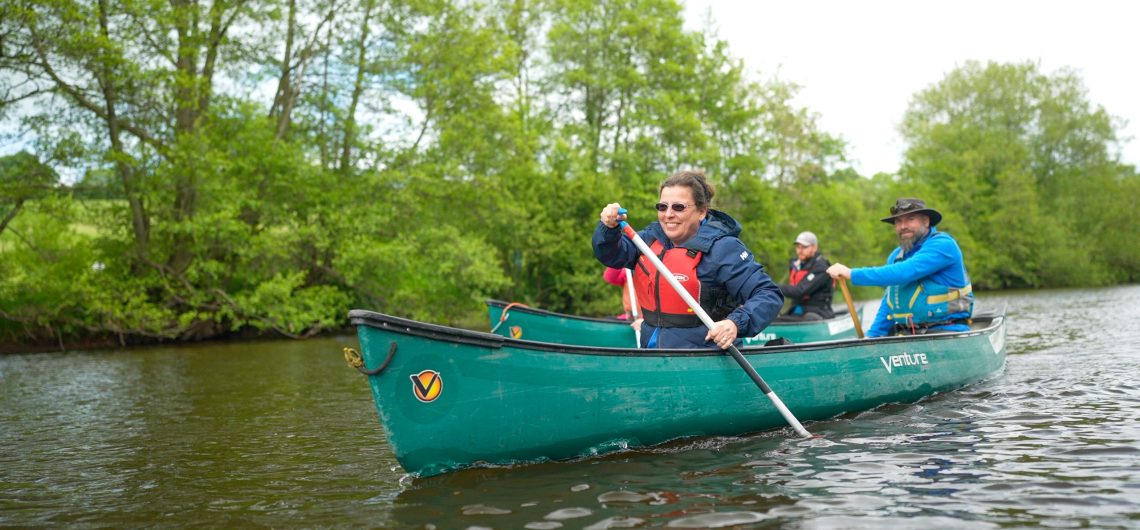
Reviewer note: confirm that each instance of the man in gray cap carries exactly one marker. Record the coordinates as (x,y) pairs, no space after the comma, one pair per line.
(809,287)
(928,289)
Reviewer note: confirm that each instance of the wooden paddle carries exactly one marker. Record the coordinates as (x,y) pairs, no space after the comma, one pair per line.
(851,307)
(704,316)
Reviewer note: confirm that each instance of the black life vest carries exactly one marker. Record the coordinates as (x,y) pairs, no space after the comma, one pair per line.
(795,276)
(660,304)
(820,298)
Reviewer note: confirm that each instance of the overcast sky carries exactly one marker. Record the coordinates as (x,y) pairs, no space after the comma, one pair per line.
(860,61)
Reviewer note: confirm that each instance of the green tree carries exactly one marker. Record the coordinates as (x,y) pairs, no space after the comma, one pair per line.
(22,178)
(268,165)
(1028,162)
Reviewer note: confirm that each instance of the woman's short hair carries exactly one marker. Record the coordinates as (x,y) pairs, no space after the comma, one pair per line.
(695,180)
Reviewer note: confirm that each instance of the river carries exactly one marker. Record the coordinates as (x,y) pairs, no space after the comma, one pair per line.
(283,434)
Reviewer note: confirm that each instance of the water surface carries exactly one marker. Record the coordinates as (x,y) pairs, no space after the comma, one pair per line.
(283,434)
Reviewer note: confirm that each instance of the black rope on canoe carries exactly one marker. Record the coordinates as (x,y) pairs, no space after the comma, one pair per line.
(353,358)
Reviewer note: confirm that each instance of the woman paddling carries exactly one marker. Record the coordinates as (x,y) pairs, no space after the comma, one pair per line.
(699,245)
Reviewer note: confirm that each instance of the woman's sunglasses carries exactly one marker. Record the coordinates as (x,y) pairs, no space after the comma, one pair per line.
(677,206)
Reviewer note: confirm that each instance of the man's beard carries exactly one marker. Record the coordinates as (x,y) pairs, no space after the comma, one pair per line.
(907,243)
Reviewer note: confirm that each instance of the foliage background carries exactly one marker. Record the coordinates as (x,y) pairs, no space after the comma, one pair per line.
(197,169)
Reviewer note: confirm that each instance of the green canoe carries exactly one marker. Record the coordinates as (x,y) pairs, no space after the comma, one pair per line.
(451,398)
(528,323)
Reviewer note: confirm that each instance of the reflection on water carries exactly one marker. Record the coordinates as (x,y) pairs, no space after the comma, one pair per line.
(283,434)
(254,433)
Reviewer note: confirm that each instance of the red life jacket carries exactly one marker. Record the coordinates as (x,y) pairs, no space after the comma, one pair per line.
(660,303)
(795,276)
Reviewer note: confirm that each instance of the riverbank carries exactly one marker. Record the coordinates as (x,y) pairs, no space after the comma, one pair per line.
(11,342)
(115,341)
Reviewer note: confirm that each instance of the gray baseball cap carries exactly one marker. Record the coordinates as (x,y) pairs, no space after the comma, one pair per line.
(807,239)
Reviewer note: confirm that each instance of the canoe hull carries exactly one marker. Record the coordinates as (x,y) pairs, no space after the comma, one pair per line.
(547,326)
(450,399)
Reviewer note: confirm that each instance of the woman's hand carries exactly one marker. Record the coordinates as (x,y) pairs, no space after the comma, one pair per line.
(723,333)
(610,216)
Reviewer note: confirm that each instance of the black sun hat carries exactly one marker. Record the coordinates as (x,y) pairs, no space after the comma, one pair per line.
(907,206)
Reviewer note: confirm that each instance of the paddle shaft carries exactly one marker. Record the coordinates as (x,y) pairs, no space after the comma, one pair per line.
(851,307)
(633,304)
(704,316)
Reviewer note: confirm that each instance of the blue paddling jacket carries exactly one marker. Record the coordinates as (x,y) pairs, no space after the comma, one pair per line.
(726,265)
(927,286)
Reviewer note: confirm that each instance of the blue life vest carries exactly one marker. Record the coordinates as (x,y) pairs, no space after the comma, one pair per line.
(927,302)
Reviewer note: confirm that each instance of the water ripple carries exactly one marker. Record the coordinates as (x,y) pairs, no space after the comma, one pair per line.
(280,434)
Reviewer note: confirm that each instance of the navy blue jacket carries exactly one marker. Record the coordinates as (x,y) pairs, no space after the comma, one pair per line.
(727,263)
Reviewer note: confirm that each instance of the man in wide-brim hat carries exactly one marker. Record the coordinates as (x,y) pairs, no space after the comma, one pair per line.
(928,289)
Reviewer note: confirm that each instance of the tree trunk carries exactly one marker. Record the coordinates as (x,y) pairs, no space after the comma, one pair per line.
(11,215)
(140,223)
(283,101)
(357,90)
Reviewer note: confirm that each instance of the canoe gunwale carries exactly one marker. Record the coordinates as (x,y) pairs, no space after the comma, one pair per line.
(545,312)
(840,314)
(361,317)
